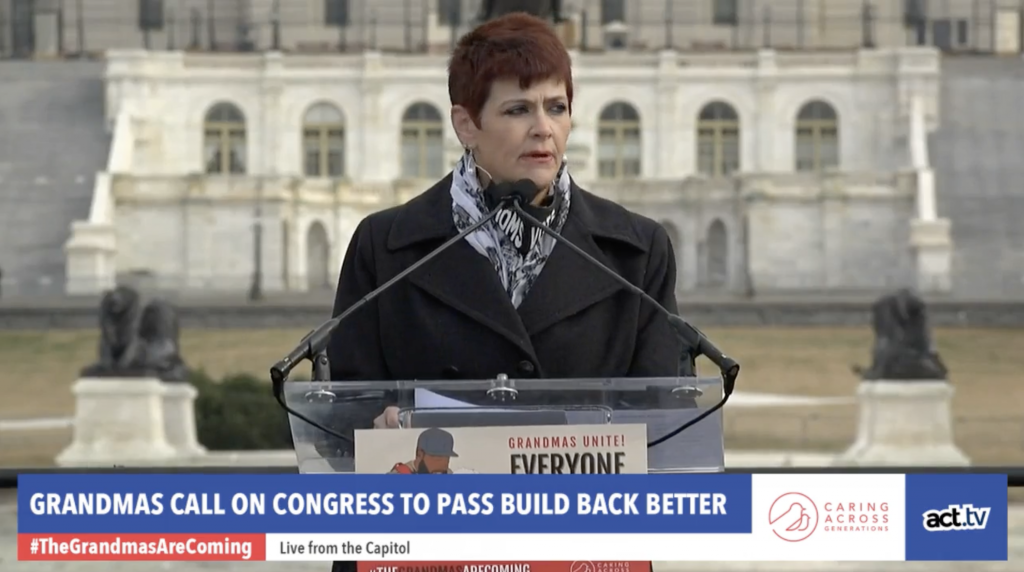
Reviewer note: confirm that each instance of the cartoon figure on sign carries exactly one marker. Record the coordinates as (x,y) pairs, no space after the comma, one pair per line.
(793,517)
(434,451)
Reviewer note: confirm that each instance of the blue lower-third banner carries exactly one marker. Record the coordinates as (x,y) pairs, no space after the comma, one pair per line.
(513,517)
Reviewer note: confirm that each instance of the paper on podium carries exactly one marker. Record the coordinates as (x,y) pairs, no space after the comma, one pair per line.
(426,399)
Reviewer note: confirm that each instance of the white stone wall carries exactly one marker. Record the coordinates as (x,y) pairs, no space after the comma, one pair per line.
(786,233)
(782,233)
(846,230)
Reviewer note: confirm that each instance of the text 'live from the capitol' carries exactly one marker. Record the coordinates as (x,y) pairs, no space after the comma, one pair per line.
(373,504)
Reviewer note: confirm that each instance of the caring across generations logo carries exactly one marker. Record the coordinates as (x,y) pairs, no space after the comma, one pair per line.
(793,517)
(957,517)
(856,516)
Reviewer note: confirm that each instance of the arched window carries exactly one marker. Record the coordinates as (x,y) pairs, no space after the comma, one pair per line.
(323,141)
(618,142)
(224,139)
(718,140)
(817,137)
(422,142)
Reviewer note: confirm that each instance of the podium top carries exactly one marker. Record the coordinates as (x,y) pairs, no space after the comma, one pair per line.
(662,404)
(505,387)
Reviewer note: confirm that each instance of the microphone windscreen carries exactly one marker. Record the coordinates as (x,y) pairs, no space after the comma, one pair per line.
(494,194)
(521,191)
(524,190)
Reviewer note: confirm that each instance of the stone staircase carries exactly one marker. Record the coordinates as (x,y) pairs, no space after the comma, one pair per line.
(977,156)
(52,143)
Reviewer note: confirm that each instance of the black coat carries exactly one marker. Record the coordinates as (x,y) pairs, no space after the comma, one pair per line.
(453,319)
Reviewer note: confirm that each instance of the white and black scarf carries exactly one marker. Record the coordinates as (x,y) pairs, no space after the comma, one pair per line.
(516,265)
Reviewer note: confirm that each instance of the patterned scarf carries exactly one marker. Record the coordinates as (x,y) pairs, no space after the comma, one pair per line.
(518,271)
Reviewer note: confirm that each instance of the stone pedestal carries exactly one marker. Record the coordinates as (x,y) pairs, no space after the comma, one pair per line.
(904,423)
(118,422)
(180,419)
(90,257)
(932,243)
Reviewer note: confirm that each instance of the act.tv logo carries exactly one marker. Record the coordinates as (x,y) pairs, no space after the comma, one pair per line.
(956,517)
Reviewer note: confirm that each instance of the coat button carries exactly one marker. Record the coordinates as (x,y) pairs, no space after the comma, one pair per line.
(526,367)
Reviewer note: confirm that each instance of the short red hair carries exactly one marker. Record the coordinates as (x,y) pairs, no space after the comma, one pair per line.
(514,46)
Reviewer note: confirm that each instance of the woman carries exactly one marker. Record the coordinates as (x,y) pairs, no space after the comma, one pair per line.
(487,305)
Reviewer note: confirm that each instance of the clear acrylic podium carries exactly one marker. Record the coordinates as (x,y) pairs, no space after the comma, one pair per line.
(662,404)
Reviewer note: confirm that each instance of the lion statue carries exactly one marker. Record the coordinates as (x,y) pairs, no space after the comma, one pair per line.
(158,336)
(131,345)
(903,348)
(119,348)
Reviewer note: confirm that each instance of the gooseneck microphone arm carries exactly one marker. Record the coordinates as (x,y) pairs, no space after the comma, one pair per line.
(690,335)
(313,347)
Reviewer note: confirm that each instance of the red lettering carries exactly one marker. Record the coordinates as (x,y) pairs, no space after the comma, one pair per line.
(542,442)
(604,441)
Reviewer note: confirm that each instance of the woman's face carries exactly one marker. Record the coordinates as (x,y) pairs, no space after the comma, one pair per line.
(522,132)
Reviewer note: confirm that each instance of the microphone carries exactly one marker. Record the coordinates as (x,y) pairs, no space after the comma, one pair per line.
(522,192)
(313,346)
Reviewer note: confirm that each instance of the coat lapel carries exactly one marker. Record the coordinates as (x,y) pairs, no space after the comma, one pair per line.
(569,284)
(464,280)
(459,277)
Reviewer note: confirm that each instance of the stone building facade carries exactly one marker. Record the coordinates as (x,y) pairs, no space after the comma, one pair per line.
(773,171)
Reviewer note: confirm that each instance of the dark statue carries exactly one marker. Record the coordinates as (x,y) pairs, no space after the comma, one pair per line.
(159,334)
(903,350)
(137,346)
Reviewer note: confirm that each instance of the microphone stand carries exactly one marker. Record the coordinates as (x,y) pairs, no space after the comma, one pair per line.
(728,367)
(313,346)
